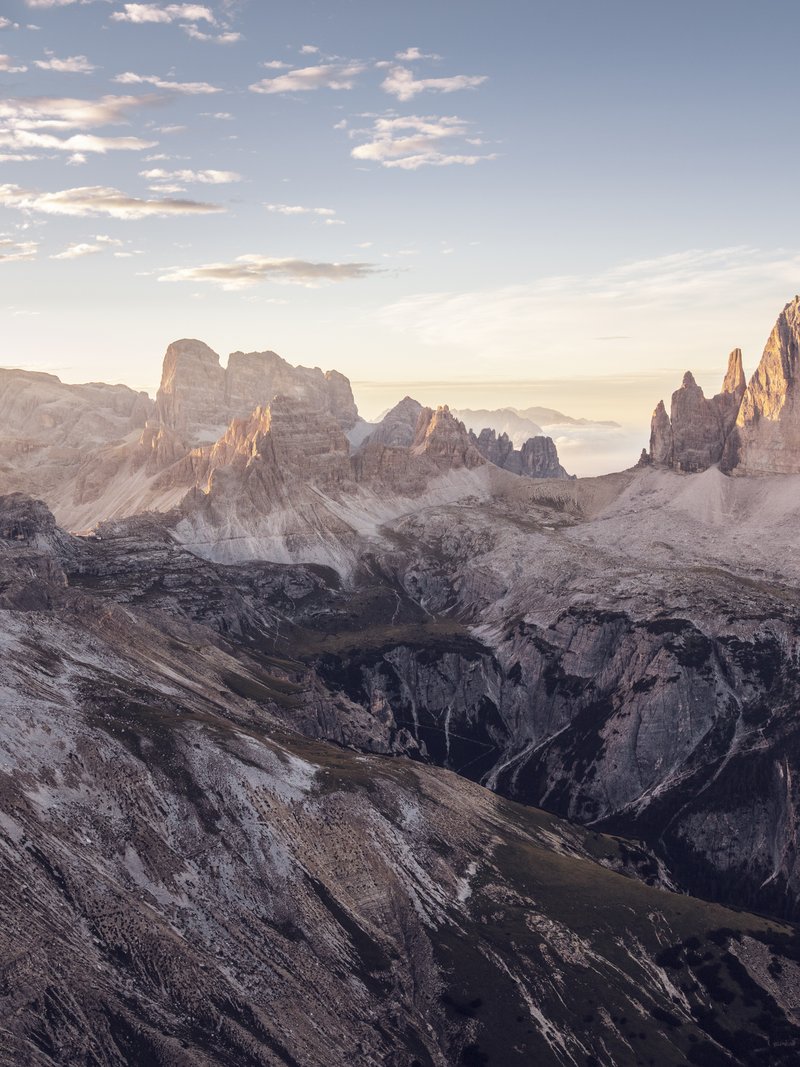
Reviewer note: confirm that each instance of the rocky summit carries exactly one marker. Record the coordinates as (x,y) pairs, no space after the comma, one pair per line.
(751,428)
(326,742)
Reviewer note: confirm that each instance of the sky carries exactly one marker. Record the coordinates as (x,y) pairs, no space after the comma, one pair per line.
(562,202)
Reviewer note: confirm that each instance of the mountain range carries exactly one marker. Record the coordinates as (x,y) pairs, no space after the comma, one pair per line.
(326,743)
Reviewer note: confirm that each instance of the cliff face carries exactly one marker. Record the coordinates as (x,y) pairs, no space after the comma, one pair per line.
(198,398)
(537,458)
(693,436)
(766,438)
(747,429)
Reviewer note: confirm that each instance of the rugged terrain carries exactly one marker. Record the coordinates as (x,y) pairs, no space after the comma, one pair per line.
(190,880)
(285,635)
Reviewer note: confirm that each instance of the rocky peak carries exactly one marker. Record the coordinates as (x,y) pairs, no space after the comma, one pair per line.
(538,457)
(766,439)
(198,398)
(192,384)
(661,437)
(734,382)
(442,438)
(693,436)
(398,427)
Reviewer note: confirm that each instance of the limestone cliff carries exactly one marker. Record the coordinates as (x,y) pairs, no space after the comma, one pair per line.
(766,438)
(693,436)
(198,398)
(537,458)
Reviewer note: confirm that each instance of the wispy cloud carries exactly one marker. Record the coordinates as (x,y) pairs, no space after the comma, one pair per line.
(249,270)
(155,13)
(298,209)
(99,243)
(401,82)
(678,309)
(203,177)
(415,141)
(54,3)
(11,249)
(227,37)
(7,24)
(412,54)
(189,88)
(69,65)
(305,79)
(78,142)
(68,112)
(99,200)
(7,66)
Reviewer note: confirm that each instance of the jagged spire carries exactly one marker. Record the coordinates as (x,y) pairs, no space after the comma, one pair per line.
(734,382)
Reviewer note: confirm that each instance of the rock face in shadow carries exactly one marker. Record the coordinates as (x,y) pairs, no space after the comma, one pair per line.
(693,436)
(398,427)
(537,458)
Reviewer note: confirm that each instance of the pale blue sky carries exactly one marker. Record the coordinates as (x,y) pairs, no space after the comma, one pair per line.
(532,190)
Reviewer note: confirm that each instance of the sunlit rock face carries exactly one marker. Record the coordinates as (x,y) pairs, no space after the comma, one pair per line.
(693,436)
(440,437)
(766,439)
(537,458)
(198,398)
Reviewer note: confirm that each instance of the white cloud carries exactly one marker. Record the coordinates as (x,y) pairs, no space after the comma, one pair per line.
(225,116)
(67,112)
(249,270)
(400,82)
(98,200)
(16,157)
(7,24)
(276,64)
(412,54)
(415,141)
(305,79)
(78,142)
(7,66)
(297,209)
(309,49)
(204,177)
(54,3)
(12,250)
(100,243)
(70,65)
(189,88)
(149,13)
(228,37)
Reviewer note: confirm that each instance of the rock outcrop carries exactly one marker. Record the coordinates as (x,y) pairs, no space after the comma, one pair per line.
(693,436)
(198,398)
(537,458)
